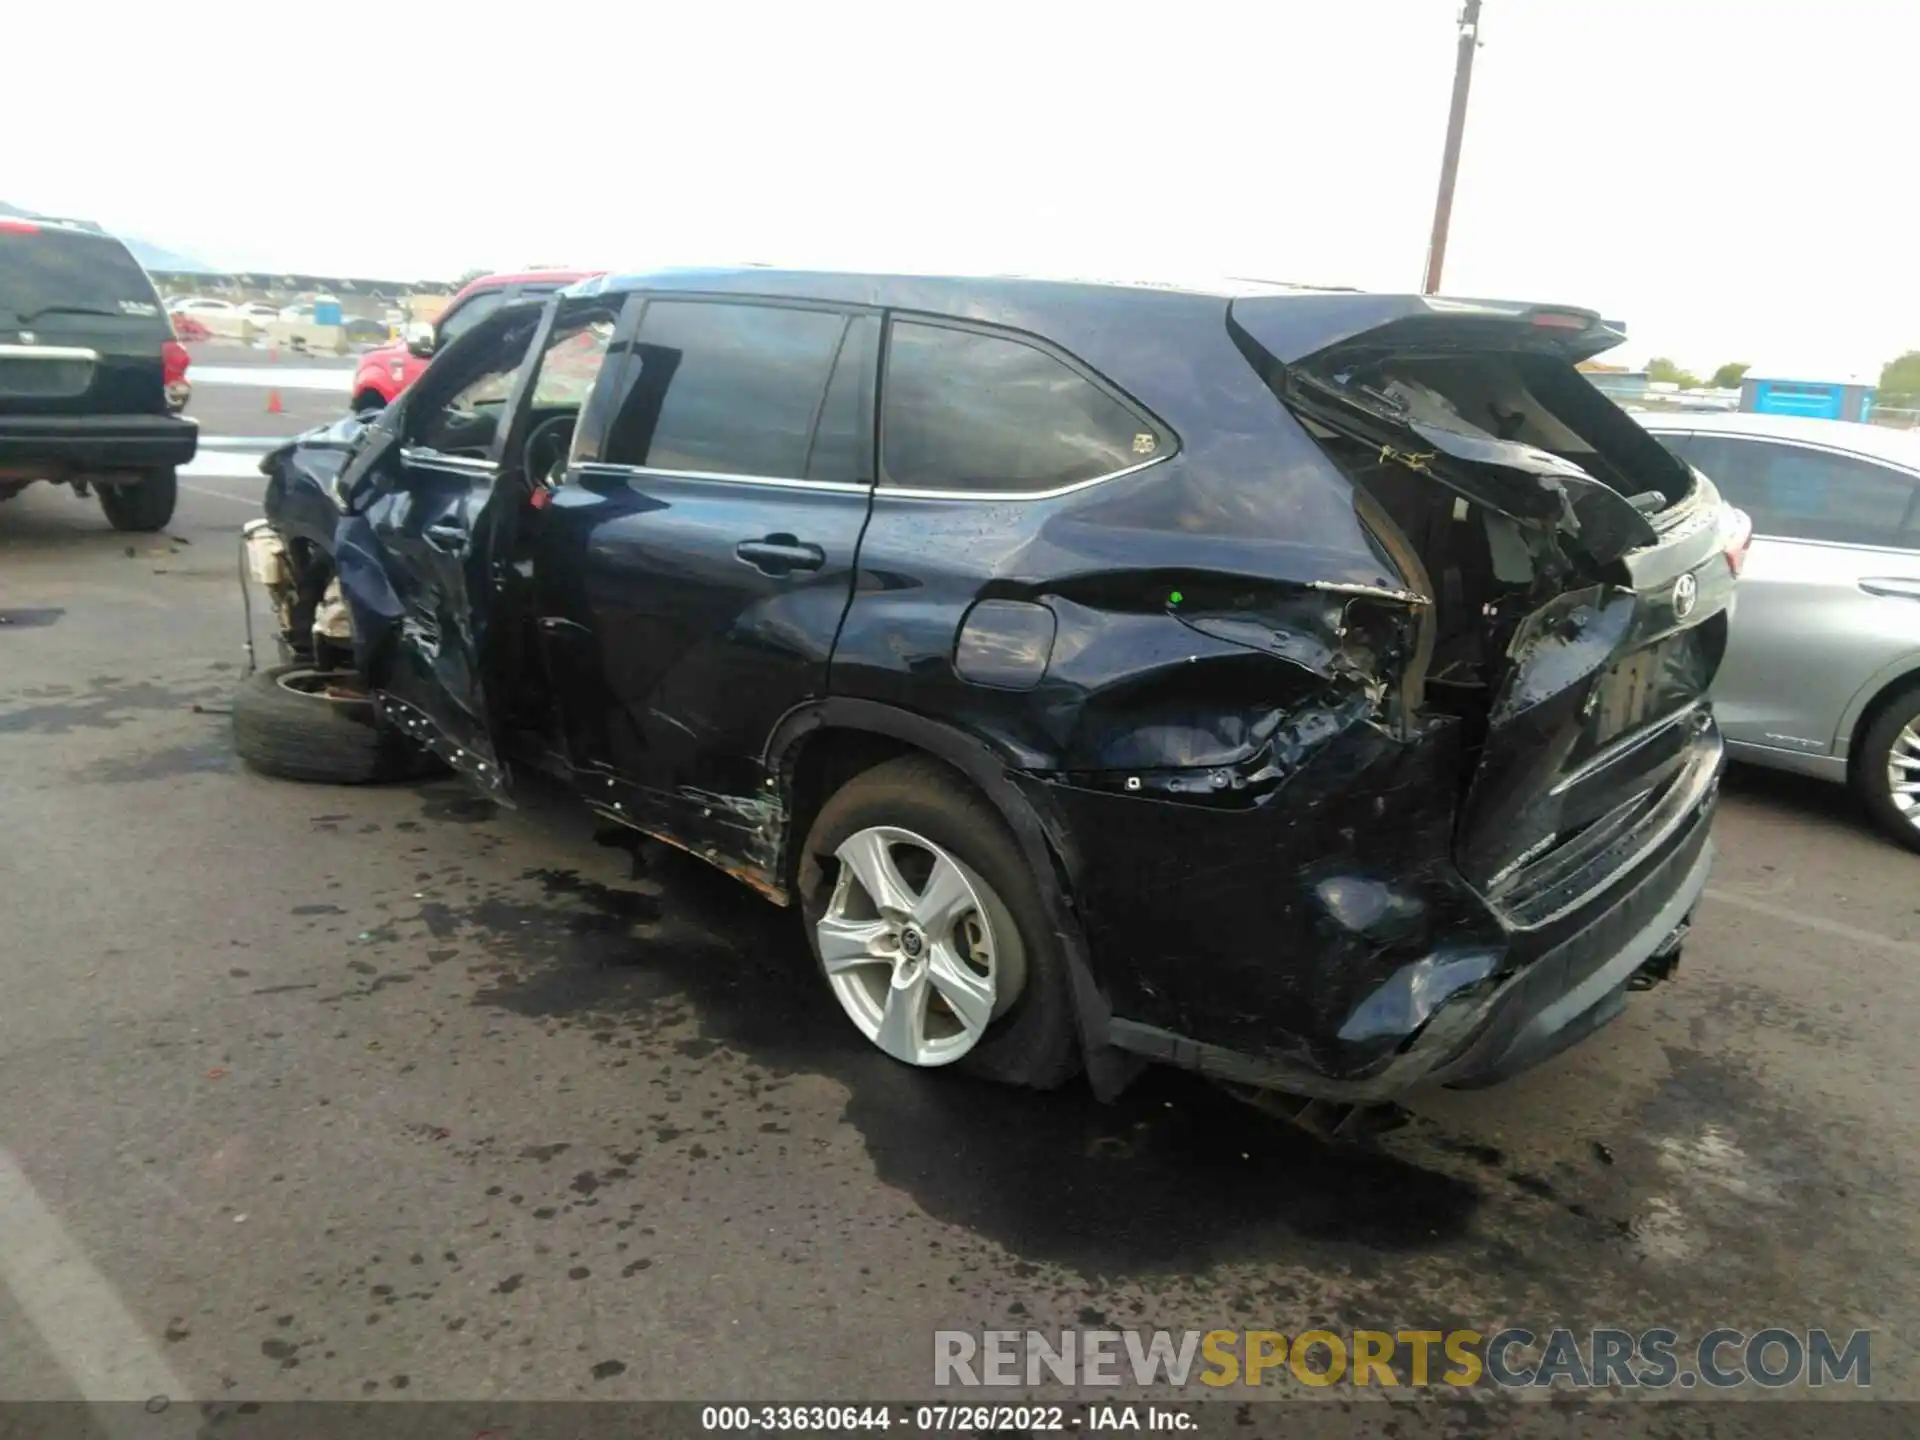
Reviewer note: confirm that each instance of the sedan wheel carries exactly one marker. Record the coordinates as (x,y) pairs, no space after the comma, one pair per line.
(1903,773)
(1886,770)
(920,952)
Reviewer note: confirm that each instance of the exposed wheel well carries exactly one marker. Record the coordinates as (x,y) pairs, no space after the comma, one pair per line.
(1892,691)
(369,400)
(828,759)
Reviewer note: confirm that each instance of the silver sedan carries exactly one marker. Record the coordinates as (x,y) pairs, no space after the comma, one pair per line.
(1822,672)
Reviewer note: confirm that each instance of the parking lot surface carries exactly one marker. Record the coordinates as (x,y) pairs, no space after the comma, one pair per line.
(385,1092)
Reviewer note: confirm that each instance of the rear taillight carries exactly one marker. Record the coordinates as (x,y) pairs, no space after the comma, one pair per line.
(18,227)
(1739,538)
(173,360)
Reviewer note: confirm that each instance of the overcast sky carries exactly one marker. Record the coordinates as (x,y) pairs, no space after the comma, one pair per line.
(1734,179)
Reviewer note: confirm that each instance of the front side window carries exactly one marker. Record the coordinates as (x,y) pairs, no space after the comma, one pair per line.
(963,410)
(724,389)
(1806,494)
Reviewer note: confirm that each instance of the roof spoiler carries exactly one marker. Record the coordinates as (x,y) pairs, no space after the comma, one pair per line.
(1294,328)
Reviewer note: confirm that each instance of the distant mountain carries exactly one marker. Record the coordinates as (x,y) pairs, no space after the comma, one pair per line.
(154,257)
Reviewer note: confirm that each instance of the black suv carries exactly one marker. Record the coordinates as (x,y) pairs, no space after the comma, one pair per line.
(1305,687)
(82,385)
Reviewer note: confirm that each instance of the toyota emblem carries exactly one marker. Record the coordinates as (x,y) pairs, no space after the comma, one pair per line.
(1686,592)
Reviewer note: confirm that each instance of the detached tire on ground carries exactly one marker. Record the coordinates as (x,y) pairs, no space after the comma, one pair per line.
(292,722)
(955,962)
(145,506)
(1889,759)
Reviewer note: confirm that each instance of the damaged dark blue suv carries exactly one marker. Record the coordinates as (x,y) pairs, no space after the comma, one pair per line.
(1304,687)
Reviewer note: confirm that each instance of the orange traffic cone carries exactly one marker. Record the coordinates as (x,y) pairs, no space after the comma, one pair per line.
(273,402)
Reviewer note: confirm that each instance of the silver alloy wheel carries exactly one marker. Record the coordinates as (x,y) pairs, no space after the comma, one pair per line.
(919,951)
(1903,773)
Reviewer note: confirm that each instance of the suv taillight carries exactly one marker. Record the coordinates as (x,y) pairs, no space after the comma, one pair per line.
(1739,538)
(173,361)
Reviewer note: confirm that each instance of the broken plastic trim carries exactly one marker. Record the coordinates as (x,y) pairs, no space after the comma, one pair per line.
(1525,483)
(417,727)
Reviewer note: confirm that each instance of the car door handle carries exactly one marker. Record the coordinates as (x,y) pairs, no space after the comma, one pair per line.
(446,535)
(780,554)
(1895,585)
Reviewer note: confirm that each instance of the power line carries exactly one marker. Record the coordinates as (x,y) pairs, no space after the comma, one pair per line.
(1450,158)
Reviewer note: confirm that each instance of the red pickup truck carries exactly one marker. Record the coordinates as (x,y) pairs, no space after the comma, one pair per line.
(385,372)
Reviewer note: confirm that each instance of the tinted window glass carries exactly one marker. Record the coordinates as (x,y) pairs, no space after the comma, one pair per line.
(42,268)
(967,411)
(470,314)
(1808,494)
(1681,445)
(724,389)
(843,443)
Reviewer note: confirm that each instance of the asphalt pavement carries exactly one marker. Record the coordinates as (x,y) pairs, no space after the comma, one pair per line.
(389,1093)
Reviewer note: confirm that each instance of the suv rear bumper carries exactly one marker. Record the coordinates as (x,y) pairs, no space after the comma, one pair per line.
(1558,982)
(1538,1013)
(55,445)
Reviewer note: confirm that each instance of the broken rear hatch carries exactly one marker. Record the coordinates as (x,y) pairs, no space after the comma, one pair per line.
(1579,576)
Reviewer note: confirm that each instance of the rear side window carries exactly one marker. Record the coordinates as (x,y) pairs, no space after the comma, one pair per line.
(1806,494)
(963,410)
(61,272)
(843,440)
(725,389)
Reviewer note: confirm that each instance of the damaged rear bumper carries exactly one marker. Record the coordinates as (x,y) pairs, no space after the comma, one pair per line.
(1553,1003)
(1488,990)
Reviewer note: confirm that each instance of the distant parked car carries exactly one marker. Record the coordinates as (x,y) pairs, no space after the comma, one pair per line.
(198,305)
(1822,673)
(87,363)
(303,311)
(385,372)
(361,331)
(218,317)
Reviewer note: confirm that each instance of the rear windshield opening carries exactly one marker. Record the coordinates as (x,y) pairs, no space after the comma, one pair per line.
(50,271)
(1529,399)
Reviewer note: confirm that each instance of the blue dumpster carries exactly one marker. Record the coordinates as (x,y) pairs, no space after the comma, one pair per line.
(1817,399)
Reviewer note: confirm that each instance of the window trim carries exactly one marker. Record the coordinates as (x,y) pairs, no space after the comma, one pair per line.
(1907,521)
(467,464)
(615,470)
(882,486)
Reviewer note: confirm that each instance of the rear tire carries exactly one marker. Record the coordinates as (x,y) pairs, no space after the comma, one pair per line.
(1889,755)
(285,726)
(1031,1038)
(145,506)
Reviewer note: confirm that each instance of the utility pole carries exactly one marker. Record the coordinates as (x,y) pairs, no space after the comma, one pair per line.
(1450,160)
